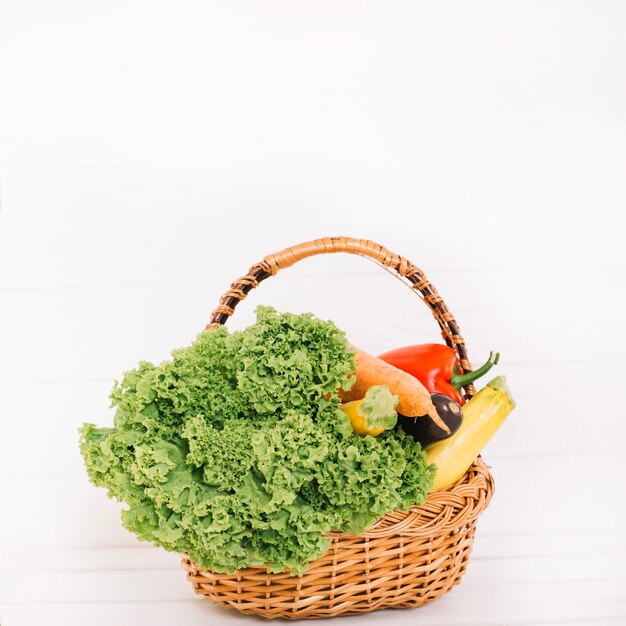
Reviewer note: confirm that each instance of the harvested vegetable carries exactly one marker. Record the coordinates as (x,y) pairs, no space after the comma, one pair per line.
(371,371)
(482,416)
(235,451)
(424,430)
(437,367)
(374,413)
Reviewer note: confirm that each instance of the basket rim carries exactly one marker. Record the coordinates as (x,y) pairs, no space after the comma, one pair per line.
(476,484)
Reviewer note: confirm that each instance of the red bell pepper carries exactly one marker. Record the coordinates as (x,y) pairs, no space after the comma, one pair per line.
(437,367)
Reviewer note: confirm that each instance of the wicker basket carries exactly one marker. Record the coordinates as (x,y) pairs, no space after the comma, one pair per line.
(406,558)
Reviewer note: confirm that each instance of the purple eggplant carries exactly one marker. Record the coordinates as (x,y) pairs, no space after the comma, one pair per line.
(424,430)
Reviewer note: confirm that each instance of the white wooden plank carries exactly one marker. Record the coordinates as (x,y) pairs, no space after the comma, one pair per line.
(98,333)
(569,603)
(539,494)
(137,557)
(488,546)
(530,549)
(124,584)
(121,585)
(313,150)
(494,544)
(149,577)
(536,495)
(207,239)
(549,422)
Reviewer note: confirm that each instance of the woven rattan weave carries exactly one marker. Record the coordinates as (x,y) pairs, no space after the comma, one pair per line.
(406,558)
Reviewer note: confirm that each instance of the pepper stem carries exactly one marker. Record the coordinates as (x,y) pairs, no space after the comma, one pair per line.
(460,380)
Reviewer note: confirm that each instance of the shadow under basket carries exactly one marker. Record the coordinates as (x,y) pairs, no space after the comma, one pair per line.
(405,559)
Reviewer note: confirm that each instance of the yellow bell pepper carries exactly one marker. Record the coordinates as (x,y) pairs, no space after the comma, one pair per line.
(374,413)
(482,416)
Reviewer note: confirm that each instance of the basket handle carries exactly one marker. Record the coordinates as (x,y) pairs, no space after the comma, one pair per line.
(398,265)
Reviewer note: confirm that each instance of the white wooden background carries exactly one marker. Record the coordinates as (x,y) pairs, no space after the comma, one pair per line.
(151,151)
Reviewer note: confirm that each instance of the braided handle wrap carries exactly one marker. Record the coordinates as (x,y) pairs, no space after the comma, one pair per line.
(401,267)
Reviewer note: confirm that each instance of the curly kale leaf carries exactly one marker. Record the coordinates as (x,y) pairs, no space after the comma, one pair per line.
(235,451)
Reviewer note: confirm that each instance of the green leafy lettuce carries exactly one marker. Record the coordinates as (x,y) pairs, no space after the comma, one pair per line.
(235,451)
(379,408)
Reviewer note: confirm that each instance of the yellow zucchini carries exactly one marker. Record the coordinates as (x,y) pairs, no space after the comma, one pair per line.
(482,416)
